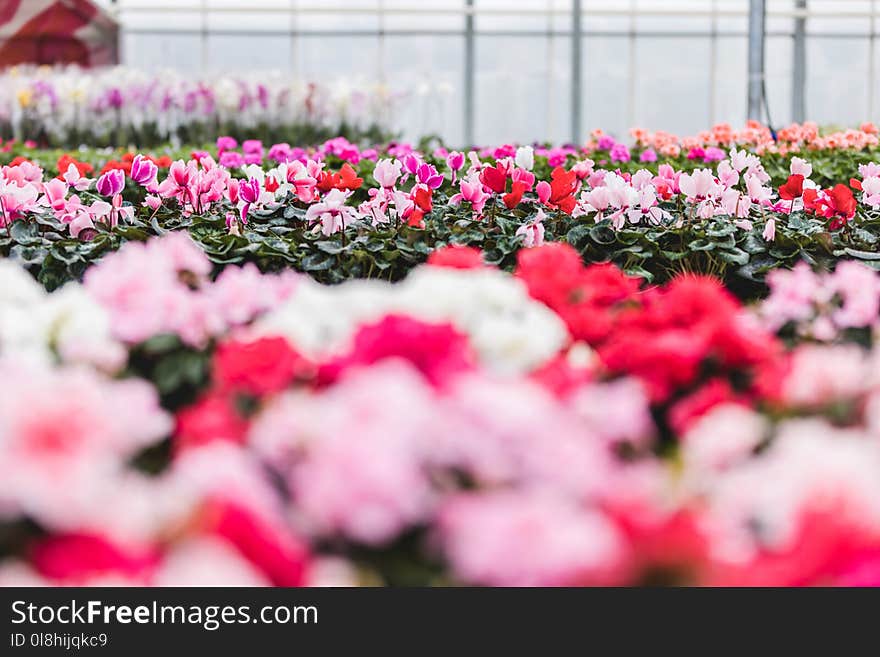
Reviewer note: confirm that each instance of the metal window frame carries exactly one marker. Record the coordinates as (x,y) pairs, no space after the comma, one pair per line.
(581,27)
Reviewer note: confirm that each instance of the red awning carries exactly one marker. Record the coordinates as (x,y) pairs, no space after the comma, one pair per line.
(57,32)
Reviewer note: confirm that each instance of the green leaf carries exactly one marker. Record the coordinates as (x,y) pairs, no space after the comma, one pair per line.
(24,232)
(603,234)
(28,255)
(862,255)
(734,256)
(317,262)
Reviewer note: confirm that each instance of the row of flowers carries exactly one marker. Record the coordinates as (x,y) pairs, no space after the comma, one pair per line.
(561,425)
(116,106)
(393,205)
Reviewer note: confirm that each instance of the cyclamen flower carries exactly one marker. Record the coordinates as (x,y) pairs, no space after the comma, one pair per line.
(144,172)
(231,160)
(387,172)
(249,193)
(427,175)
(525,158)
(259,367)
(55,192)
(75,179)
(699,185)
(532,233)
(559,193)
(620,153)
(457,257)
(226,144)
(472,192)
(111,183)
(793,187)
(837,204)
(800,167)
(517,539)
(455,161)
(871,192)
(331,212)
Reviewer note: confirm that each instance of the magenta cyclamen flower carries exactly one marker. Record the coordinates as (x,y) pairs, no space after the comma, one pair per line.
(411,163)
(455,160)
(281,153)
(714,154)
(231,160)
(606,143)
(427,175)
(249,191)
(226,144)
(252,147)
(111,183)
(620,153)
(143,171)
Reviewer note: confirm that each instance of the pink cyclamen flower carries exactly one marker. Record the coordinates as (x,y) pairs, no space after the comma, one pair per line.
(455,160)
(332,212)
(606,143)
(472,192)
(620,153)
(543,190)
(72,178)
(231,160)
(252,147)
(387,172)
(800,167)
(111,183)
(532,233)
(55,191)
(226,144)
(143,171)
(713,154)
(698,185)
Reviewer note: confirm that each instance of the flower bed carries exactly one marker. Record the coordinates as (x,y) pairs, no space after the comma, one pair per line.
(560,425)
(67,107)
(342,211)
(539,366)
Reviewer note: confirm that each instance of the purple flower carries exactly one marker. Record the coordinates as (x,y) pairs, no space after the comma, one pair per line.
(249,191)
(143,171)
(648,155)
(111,183)
(115,99)
(620,153)
(252,147)
(280,153)
(714,154)
(427,175)
(411,163)
(696,153)
(226,144)
(231,160)
(455,160)
(606,143)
